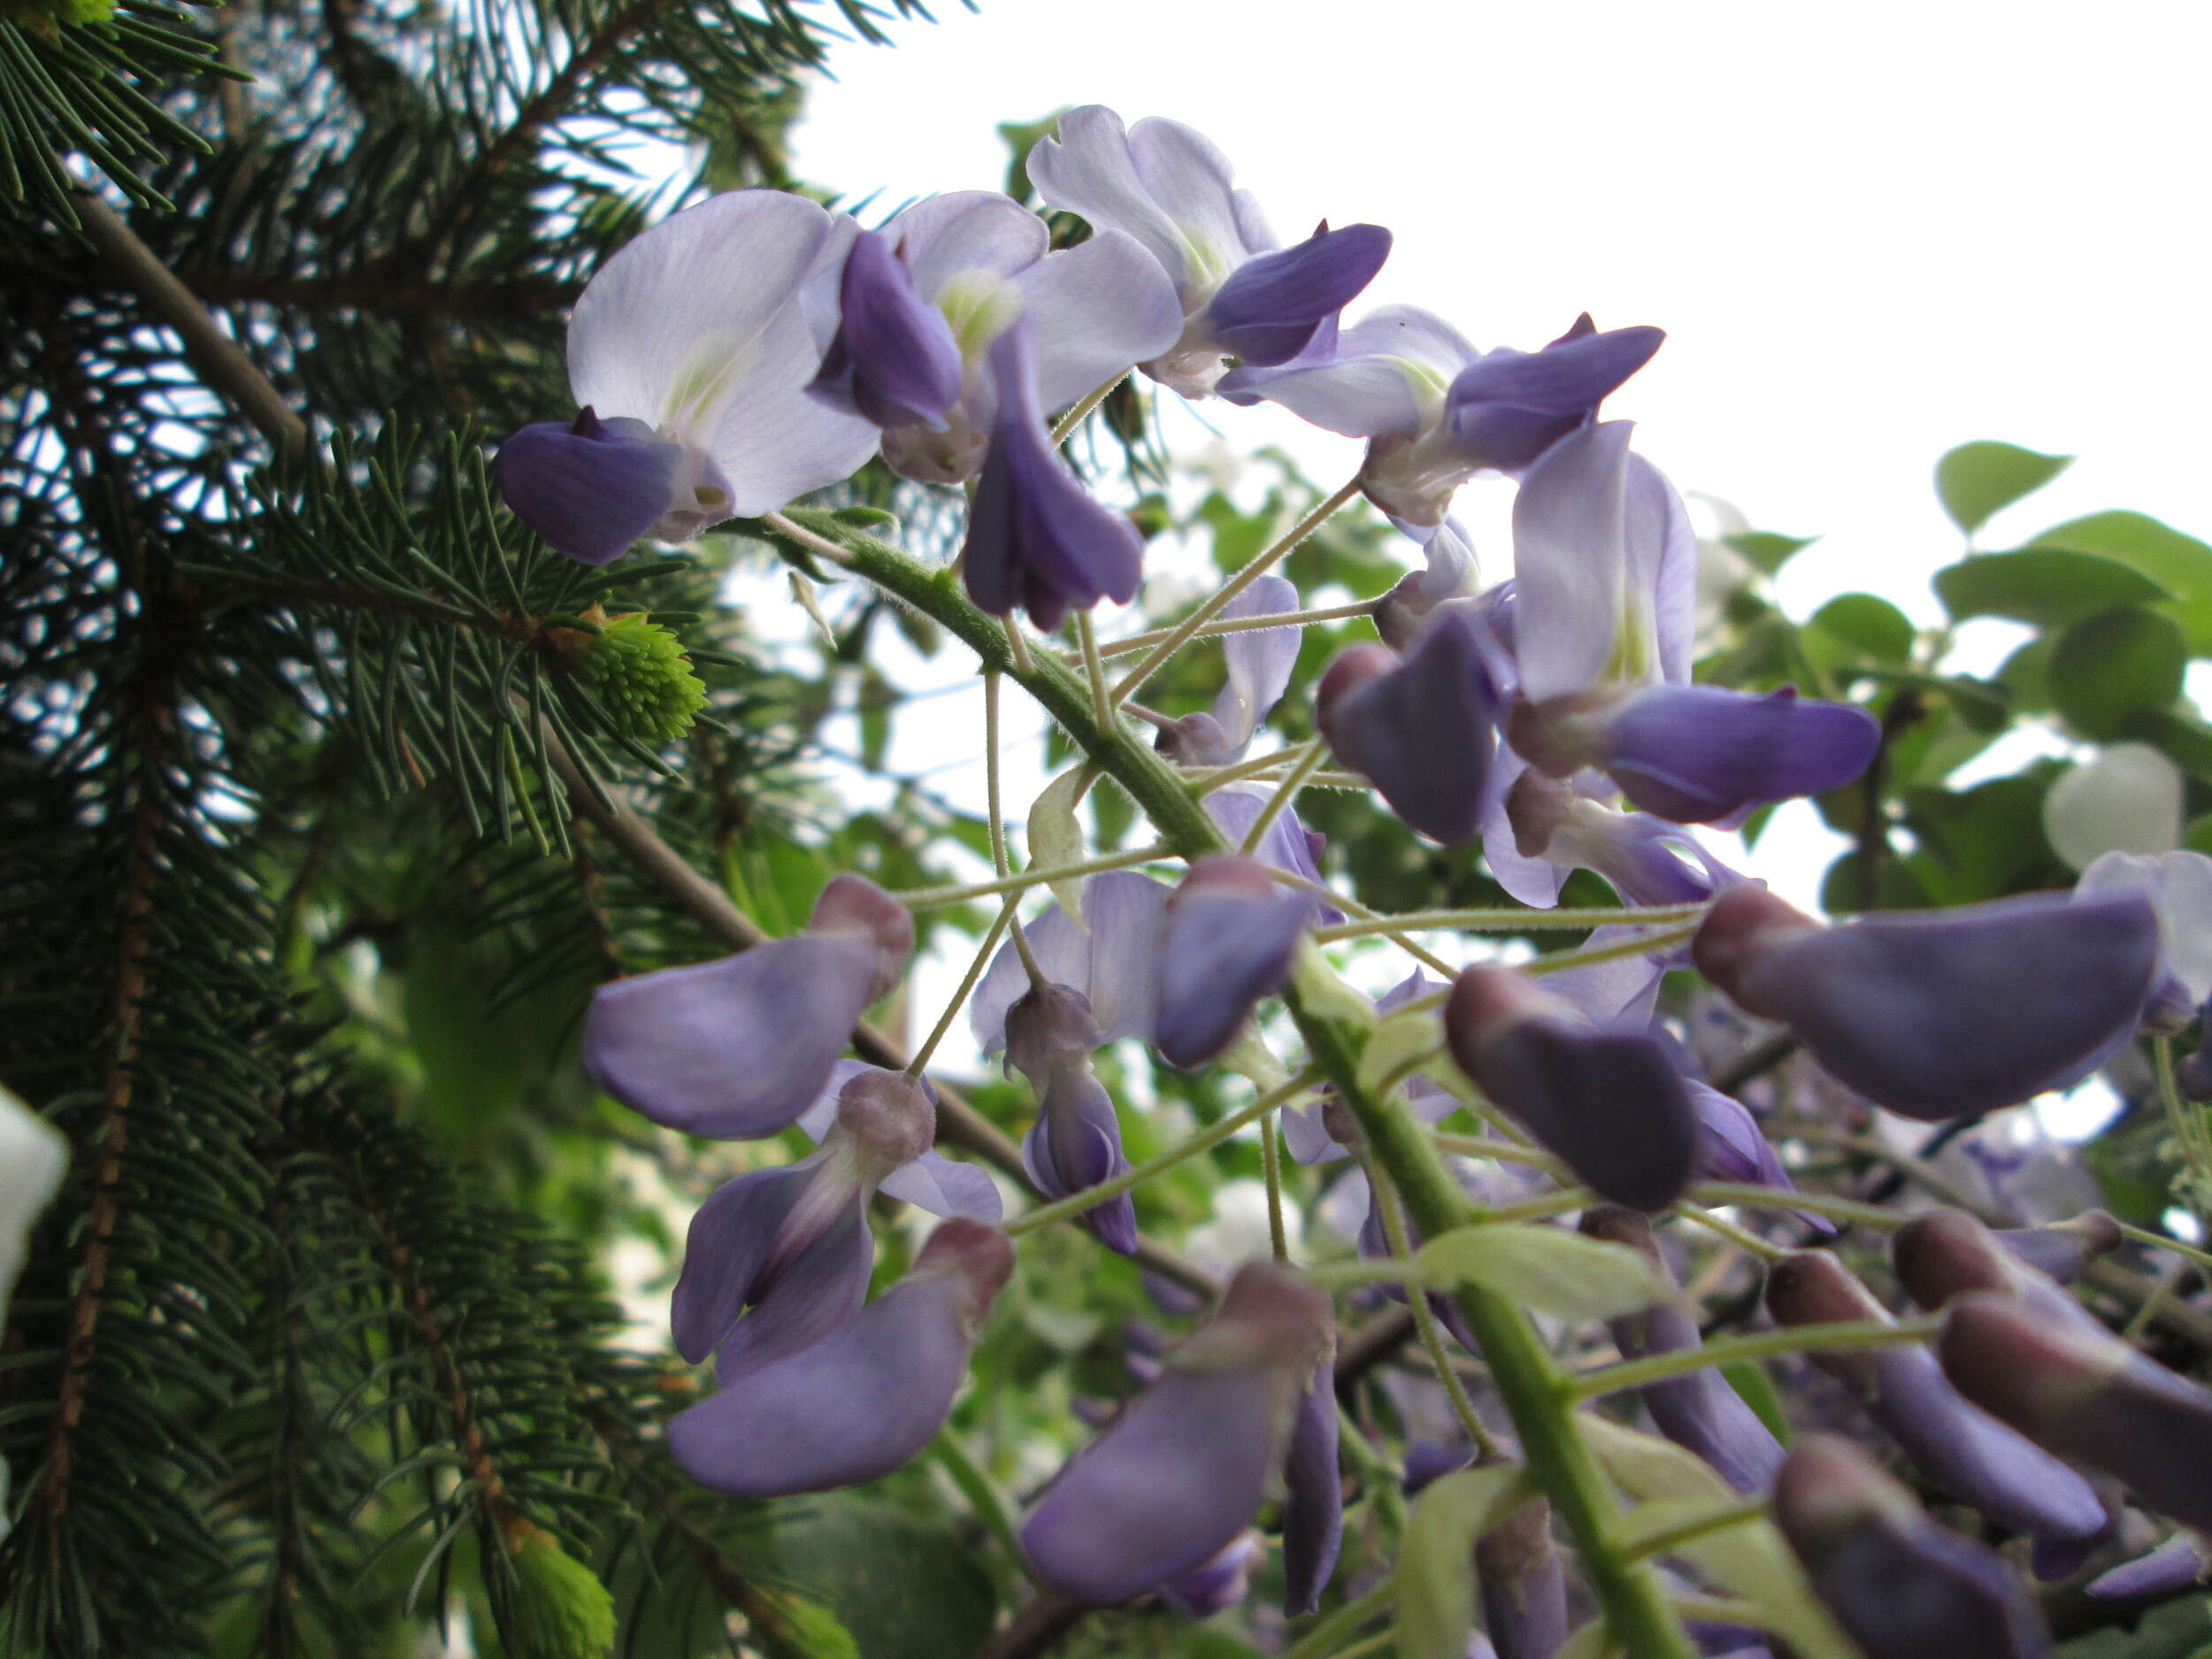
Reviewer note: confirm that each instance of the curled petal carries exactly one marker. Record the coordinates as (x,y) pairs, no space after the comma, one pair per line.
(1160,182)
(1259,662)
(1313,1502)
(1228,942)
(1611,1103)
(1970,1455)
(2087,1396)
(800,1300)
(1572,595)
(2179,888)
(732,1237)
(2176,1565)
(894,360)
(1903,1587)
(1450,574)
(944,1188)
(1506,409)
(1374,379)
(1699,754)
(1267,311)
(1037,539)
(1421,729)
(1938,1014)
(863,1401)
(590,489)
(734,1048)
(1074,1145)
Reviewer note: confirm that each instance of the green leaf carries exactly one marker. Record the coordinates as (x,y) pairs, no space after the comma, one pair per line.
(1768,551)
(904,1588)
(1867,626)
(2048,587)
(1548,1269)
(1976,479)
(1435,1575)
(2176,1630)
(2109,670)
(2179,564)
(1756,1390)
(1673,1486)
(2184,739)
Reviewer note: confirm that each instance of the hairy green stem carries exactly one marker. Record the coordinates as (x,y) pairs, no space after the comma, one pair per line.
(1036,875)
(1795,1338)
(1536,1394)
(1515,921)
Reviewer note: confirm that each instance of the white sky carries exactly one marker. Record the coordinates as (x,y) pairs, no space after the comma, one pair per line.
(1871,232)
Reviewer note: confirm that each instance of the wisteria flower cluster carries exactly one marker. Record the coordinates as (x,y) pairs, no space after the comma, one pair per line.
(757,347)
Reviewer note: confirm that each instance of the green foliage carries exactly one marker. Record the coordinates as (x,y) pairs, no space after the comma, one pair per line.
(641,673)
(2109,670)
(1978,480)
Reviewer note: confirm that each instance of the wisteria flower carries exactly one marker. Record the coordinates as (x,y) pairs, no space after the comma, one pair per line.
(2179,888)
(1076,1142)
(690,351)
(1169,187)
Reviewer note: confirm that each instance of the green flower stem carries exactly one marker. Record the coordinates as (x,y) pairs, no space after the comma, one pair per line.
(1536,1394)
(1385,1198)
(1666,1540)
(1272,1167)
(1035,876)
(1245,624)
(1064,428)
(1502,1151)
(1743,1196)
(1067,1209)
(1321,1641)
(1796,1339)
(990,1502)
(2191,1132)
(1513,921)
(919,1064)
(1293,781)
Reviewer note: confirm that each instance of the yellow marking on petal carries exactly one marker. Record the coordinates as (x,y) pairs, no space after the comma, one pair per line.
(980,305)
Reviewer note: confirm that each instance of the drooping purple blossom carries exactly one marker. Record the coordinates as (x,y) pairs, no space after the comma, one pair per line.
(1258,662)
(1110,957)
(1938,1014)
(1222,1580)
(1180,1472)
(864,1399)
(1286,844)
(1968,1453)
(1523,1591)
(1699,1409)
(1610,1102)
(1903,1587)
(1172,190)
(1037,539)
(2179,888)
(1076,1142)
(737,1049)
(1507,407)
(2176,1565)
(690,351)
(1228,940)
(1421,727)
(1313,1495)
(2087,1396)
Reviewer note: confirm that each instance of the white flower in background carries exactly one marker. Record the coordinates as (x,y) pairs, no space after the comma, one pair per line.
(2126,799)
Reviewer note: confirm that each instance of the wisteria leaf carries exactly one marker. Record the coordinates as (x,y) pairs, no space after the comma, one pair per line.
(1435,1584)
(1547,1269)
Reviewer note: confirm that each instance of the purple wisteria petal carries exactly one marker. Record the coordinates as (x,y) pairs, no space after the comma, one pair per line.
(966,234)
(1507,408)
(2062,1250)
(2179,888)
(735,1049)
(1968,1453)
(1228,941)
(2088,1396)
(1313,1499)
(1288,845)
(1074,1145)
(1523,1592)
(1610,1102)
(1222,1580)
(1099,307)
(1037,539)
(1947,1253)
(589,489)
(867,1397)
(1903,1587)
(1374,379)
(1698,1410)
(1659,546)
(1259,664)
(1180,1472)
(797,1301)
(1572,598)
(731,1238)
(851,907)
(1698,754)
(1111,957)
(1422,728)
(1938,1014)
(1268,310)
(894,360)
(943,1187)
(1449,574)
(699,328)
(2176,1565)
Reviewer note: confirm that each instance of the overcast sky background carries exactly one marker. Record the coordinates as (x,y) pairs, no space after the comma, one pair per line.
(1870,233)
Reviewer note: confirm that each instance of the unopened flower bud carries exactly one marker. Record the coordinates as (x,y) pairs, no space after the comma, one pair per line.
(1421,728)
(1228,938)
(889,1114)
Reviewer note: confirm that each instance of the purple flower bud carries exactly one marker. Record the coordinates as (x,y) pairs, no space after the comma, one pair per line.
(1700,1411)
(1976,1459)
(1037,539)
(1270,307)
(1179,1473)
(1611,1103)
(1947,1253)
(1422,729)
(1112,957)
(1075,1144)
(1313,1499)
(864,1399)
(1228,941)
(2086,1395)
(893,360)
(2065,1248)
(2176,1565)
(1507,407)
(1903,1587)
(1523,1593)
(1699,754)
(1937,1014)
(592,488)
(1222,1580)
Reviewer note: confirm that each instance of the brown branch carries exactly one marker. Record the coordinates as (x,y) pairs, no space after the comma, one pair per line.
(1037,1626)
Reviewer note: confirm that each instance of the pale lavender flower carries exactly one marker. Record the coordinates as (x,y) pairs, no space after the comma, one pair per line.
(1076,1142)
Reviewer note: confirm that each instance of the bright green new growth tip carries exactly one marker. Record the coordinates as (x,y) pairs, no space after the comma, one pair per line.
(638,669)
(562,1611)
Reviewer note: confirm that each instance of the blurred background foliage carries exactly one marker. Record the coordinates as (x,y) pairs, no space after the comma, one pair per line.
(349,1321)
